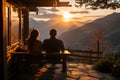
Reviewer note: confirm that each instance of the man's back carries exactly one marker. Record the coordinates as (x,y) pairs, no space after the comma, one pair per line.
(53,45)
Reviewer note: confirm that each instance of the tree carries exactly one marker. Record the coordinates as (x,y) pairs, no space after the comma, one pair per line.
(98,4)
(98,43)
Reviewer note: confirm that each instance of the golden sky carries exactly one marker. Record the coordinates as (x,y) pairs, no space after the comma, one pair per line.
(72,13)
(65,18)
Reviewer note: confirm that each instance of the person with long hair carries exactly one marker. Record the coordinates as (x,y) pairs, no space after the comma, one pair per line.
(34,45)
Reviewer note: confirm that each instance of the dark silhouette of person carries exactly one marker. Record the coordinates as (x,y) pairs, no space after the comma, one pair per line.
(34,45)
(53,45)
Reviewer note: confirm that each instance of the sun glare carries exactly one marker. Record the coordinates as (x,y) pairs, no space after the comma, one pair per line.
(66,16)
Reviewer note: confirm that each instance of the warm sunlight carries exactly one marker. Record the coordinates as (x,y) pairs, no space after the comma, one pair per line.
(66,16)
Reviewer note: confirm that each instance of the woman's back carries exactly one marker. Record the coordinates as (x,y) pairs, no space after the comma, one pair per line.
(35,48)
(34,45)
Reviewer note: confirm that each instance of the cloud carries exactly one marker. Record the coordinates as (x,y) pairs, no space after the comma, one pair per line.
(95,16)
(50,15)
(53,9)
(45,15)
(79,12)
(85,19)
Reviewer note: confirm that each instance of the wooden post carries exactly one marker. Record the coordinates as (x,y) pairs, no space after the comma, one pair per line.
(64,64)
(98,48)
(90,56)
(9,26)
(20,25)
(2,41)
(25,24)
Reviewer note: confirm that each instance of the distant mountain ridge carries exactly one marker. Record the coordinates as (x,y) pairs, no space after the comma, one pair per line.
(45,26)
(80,37)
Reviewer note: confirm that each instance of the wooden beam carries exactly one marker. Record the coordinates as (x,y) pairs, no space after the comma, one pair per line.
(39,3)
(2,41)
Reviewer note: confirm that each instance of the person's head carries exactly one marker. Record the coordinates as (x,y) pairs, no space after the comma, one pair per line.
(34,34)
(53,32)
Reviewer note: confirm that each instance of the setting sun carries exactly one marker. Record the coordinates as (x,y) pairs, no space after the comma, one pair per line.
(66,16)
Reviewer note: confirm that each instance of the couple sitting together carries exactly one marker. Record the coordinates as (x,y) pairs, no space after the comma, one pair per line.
(51,45)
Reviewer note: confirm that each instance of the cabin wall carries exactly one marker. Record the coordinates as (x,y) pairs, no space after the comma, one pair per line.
(12,30)
(6,45)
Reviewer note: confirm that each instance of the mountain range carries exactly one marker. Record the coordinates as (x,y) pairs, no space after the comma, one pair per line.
(58,24)
(79,38)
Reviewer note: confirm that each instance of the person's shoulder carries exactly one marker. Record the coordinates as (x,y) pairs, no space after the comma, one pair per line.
(59,40)
(38,41)
(46,40)
(27,41)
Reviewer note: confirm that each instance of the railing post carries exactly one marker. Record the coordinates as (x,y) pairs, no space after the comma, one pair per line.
(98,48)
(64,69)
(90,57)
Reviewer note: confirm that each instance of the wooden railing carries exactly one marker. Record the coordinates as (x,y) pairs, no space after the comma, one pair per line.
(86,54)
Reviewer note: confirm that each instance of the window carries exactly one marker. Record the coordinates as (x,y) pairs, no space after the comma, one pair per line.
(12,23)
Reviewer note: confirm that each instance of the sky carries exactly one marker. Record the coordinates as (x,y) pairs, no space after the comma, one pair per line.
(63,18)
(71,13)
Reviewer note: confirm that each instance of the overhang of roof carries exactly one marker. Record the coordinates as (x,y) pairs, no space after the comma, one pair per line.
(32,4)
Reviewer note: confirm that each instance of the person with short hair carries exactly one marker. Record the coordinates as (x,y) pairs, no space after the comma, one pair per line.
(53,45)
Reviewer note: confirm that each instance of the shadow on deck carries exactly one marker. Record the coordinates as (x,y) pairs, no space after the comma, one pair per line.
(75,71)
